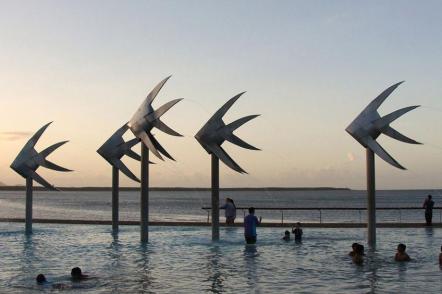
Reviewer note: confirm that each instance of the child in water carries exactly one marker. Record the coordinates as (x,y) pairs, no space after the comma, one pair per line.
(41,280)
(77,275)
(358,254)
(297,231)
(401,255)
(354,247)
(286,236)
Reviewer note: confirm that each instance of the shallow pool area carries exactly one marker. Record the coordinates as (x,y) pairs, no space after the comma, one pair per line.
(184,260)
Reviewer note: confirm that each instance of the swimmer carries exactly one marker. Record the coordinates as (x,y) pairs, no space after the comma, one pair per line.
(401,255)
(353,249)
(76,274)
(297,231)
(41,279)
(286,236)
(358,256)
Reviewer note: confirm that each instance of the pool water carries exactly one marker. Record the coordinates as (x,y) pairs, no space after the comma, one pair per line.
(184,260)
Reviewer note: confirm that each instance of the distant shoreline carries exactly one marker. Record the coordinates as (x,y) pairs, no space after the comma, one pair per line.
(23,188)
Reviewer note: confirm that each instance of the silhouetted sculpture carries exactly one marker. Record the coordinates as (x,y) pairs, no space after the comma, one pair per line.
(211,136)
(113,150)
(365,128)
(27,162)
(141,124)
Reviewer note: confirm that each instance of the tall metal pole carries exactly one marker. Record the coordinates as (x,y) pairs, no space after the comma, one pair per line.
(115,198)
(371,199)
(144,213)
(215,198)
(28,219)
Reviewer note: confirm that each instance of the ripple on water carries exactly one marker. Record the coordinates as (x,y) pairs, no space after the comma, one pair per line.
(183,260)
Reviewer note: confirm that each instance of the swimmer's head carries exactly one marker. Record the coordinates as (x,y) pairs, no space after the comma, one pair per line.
(287,233)
(360,249)
(401,247)
(354,246)
(76,272)
(40,278)
(252,210)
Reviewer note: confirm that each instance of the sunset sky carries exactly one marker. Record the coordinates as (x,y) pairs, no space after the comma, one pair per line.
(309,67)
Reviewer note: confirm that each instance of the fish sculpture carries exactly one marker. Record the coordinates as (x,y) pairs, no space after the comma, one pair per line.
(215,132)
(369,125)
(29,160)
(115,148)
(146,118)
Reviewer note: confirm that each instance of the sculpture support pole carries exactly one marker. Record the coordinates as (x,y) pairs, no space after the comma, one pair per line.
(115,200)
(215,198)
(144,213)
(28,220)
(371,199)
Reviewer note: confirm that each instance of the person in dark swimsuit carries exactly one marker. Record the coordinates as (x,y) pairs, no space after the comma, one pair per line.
(286,236)
(428,206)
(297,231)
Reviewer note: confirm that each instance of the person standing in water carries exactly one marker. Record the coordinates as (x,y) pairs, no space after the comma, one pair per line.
(230,211)
(297,231)
(428,206)
(250,223)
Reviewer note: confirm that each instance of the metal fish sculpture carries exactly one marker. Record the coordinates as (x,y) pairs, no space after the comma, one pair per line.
(146,118)
(369,125)
(115,148)
(213,134)
(29,160)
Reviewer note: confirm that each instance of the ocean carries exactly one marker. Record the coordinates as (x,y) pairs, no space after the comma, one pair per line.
(186,205)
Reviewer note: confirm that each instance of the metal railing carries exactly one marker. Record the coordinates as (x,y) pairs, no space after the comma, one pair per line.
(321,209)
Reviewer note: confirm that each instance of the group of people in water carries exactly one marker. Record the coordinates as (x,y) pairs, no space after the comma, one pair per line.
(357,254)
(251,222)
(76,276)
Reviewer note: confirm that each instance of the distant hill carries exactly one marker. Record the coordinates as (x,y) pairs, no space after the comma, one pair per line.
(22,188)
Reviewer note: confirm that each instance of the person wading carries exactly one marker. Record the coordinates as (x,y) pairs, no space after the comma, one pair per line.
(428,206)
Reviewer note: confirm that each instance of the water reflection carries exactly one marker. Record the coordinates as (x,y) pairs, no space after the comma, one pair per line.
(429,231)
(115,261)
(250,258)
(372,276)
(216,277)
(144,268)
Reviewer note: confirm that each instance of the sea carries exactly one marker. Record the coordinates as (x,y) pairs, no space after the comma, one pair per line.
(187,205)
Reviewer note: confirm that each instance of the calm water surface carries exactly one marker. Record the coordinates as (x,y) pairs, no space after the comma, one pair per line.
(184,260)
(176,205)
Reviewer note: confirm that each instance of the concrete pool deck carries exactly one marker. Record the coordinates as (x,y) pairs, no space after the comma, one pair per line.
(206,224)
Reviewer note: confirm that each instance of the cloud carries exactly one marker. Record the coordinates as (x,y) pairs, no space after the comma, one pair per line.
(13,136)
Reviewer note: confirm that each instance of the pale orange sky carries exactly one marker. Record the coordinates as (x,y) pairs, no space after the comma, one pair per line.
(308,69)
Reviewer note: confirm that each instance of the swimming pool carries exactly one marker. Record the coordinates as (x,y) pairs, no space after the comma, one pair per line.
(184,260)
